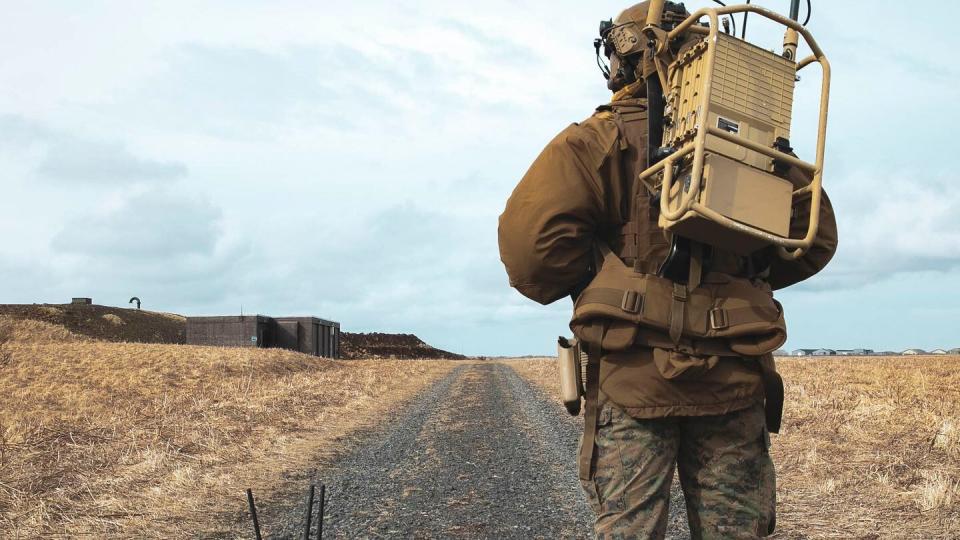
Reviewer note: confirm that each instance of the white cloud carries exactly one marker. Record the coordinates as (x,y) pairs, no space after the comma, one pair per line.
(892,222)
(350,159)
(152,226)
(69,158)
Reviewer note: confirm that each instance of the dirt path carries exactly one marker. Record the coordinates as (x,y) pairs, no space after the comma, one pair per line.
(482,454)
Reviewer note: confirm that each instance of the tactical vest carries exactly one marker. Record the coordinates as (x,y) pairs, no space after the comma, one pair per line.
(728,311)
(639,242)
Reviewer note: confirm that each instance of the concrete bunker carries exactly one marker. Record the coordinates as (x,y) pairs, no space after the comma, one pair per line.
(310,335)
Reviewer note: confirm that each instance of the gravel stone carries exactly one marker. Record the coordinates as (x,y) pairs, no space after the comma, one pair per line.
(480,454)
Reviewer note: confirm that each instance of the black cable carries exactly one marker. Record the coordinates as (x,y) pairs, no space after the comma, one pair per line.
(809,12)
(603,67)
(743,33)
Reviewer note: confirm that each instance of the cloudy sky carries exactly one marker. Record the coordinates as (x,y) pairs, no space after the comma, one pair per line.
(350,162)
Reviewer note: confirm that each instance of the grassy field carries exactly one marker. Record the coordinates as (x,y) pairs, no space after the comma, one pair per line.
(870,446)
(105,439)
(125,440)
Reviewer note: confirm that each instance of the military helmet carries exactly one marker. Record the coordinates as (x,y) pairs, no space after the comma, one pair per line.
(612,32)
(636,13)
(624,32)
(624,38)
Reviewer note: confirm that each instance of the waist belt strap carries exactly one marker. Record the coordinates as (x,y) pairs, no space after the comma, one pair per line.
(724,318)
(627,300)
(590,414)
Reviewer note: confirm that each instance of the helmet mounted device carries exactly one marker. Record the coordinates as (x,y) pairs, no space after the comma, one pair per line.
(625,37)
(602,42)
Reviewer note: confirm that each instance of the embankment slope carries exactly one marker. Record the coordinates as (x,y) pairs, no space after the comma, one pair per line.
(112,439)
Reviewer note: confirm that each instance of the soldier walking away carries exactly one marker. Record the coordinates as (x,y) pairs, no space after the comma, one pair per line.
(656,399)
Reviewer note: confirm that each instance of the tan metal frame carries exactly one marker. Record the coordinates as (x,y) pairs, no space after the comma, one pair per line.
(789,248)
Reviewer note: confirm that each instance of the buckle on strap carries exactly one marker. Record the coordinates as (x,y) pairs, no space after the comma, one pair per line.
(718,319)
(680,293)
(632,302)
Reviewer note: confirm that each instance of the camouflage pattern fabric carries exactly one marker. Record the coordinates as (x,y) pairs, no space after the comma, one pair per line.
(724,466)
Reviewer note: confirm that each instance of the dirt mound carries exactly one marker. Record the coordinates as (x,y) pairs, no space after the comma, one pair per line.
(105,323)
(379,345)
(33,331)
(138,326)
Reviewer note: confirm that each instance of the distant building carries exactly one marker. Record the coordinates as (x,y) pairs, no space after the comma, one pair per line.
(938,351)
(309,335)
(954,351)
(231,331)
(803,352)
(781,352)
(855,352)
(913,352)
(824,352)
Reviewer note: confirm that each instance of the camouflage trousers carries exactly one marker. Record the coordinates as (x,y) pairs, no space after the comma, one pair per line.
(724,466)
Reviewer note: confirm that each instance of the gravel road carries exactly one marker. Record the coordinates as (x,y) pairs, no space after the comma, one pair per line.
(481,454)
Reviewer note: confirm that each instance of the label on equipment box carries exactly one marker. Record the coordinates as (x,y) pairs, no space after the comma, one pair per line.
(728,125)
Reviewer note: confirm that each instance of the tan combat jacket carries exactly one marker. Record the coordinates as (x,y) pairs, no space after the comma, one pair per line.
(578,191)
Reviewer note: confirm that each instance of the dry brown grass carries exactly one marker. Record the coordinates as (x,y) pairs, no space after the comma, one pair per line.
(30,331)
(131,440)
(870,447)
(174,316)
(113,319)
(542,372)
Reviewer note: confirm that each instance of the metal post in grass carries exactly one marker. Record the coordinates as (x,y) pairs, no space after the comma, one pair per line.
(323,490)
(253,514)
(309,513)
